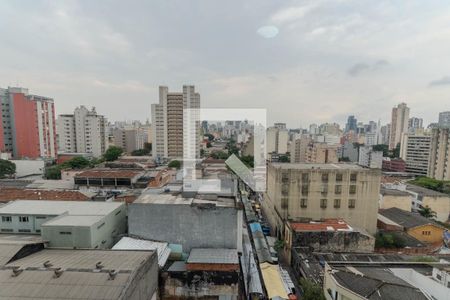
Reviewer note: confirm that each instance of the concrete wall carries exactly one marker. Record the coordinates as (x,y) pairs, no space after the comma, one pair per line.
(427,233)
(32,226)
(439,204)
(285,190)
(29,167)
(340,241)
(100,235)
(191,226)
(389,201)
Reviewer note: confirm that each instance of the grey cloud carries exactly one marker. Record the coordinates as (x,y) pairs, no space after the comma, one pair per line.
(357,69)
(360,68)
(442,81)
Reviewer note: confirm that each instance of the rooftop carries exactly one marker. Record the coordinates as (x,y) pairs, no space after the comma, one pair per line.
(312,166)
(74,220)
(405,218)
(325,225)
(128,243)
(178,199)
(213,256)
(393,192)
(424,191)
(10,194)
(109,173)
(376,283)
(78,278)
(42,207)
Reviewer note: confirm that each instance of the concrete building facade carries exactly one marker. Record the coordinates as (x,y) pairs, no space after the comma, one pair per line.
(67,224)
(27,124)
(439,164)
(370,158)
(399,124)
(130,139)
(444,119)
(168,120)
(83,132)
(415,151)
(318,191)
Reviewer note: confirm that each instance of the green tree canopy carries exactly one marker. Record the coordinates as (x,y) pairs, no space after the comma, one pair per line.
(140,152)
(79,162)
(7,168)
(219,155)
(311,291)
(112,153)
(427,212)
(175,164)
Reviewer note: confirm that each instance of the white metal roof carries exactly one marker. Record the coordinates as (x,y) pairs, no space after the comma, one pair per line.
(128,243)
(213,256)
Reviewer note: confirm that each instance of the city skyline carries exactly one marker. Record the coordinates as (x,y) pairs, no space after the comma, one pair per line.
(289,55)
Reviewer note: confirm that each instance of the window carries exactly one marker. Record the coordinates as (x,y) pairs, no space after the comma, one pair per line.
(325,177)
(41,217)
(351,203)
(65,232)
(118,212)
(324,189)
(438,276)
(6,219)
(323,203)
(24,230)
(339,177)
(352,190)
(305,177)
(284,203)
(305,190)
(338,189)
(353,177)
(23,219)
(38,230)
(426,232)
(303,203)
(337,203)
(285,190)
(284,178)
(101,225)
(6,230)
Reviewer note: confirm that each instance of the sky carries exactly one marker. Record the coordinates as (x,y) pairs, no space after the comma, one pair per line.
(304,61)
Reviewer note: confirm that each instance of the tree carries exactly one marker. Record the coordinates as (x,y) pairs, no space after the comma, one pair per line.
(208,145)
(396,151)
(112,153)
(382,147)
(311,291)
(209,136)
(140,152)
(219,155)
(175,164)
(248,160)
(427,212)
(279,245)
(283,159)
(7,168)
(53,172)
(79,162)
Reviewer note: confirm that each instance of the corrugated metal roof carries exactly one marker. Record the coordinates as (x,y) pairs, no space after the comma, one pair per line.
(7,252)
(42,207)
(128,243)
(273,281)
(80,278)
(213,256)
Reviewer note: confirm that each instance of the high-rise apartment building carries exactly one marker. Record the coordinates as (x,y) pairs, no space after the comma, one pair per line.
(415,151)
(351,124)
(306,150)
(319,191)
(27,124)
(439,165)
(168,122)
(83,132)
(444,119)
(414,124)
(277,139)
(130,139)
(399,124)
(369,158)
